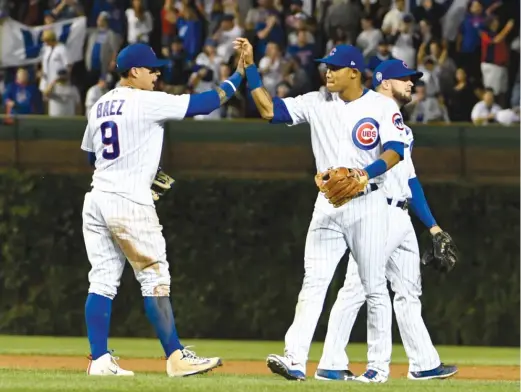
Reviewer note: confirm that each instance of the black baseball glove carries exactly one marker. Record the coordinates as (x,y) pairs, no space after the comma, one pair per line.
(161,184)
(443,255)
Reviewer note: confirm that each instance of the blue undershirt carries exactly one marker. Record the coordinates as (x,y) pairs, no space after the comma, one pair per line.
(419,205)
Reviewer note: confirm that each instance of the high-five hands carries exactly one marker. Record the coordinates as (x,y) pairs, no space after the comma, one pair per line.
(244,47)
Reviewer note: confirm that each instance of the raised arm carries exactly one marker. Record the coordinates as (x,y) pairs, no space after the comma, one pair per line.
(206,102)
(260,95)
(288,110)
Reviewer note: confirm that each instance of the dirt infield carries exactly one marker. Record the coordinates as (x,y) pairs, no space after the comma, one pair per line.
(236,367)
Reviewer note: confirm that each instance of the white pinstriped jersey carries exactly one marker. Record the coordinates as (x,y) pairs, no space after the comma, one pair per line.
(348,134)
(396,185)
(125,131)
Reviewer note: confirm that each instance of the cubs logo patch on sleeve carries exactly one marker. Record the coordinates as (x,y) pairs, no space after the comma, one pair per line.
(366,134)
(398,121)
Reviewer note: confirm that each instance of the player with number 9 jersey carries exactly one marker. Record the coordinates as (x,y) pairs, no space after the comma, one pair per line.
(124,137)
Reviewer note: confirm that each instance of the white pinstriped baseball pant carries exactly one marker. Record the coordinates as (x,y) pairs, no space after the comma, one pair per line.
(360,225)
(116,229)
(403,271)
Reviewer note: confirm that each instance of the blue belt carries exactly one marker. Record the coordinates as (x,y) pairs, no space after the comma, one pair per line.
(401,204)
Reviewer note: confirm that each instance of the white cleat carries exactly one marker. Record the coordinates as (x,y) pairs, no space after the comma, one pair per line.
(106,365)
(182,363)
(371,375)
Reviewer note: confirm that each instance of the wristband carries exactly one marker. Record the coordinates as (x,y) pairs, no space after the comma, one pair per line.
(253,77)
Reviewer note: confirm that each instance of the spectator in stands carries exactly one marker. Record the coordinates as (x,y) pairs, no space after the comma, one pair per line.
(229,29)
(425,109)
(295,17)
(64,98)
(494,57)
(369,38)
(266,22)
(298,78)
(168,26)
(177,73)
(431,12)
(102,49)
(404,42)
(67,9)
(302,24)
(382,54)
(282,89)
(190,28)
(270,67)
(54,58)
(468,41)
(338,37)
(114,8)
(209,59)
(48,18)
(344,15)
(21,96)
(393,18)
(139,23)
(95,92)
(306,53)
(484,112)
(444,66)
(462,98)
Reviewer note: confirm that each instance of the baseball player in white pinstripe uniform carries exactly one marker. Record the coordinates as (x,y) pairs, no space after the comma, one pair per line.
(351,127)
(401,187)
(124,137)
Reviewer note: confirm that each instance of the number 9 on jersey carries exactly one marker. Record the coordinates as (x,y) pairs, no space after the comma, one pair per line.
(109,138)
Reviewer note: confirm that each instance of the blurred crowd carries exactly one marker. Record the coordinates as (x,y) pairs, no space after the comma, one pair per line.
(468,51)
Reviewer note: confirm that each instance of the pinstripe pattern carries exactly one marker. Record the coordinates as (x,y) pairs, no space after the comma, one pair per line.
(329,236)
(348,134)
(119,217)
(116,229)
(403,272)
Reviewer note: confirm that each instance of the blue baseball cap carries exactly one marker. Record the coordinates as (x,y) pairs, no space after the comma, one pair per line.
(345,56)
(136,56)
(393,69)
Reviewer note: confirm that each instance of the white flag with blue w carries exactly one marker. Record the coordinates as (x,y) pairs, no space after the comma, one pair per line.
(21,44)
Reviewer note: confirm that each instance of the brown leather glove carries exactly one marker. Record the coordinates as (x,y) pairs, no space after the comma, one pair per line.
(341,184)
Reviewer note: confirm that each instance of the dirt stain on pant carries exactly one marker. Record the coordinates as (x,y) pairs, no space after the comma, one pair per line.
(137,260)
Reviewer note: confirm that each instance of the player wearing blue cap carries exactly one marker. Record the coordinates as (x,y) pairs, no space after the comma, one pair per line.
(395,80)
(357,135)
(124,135)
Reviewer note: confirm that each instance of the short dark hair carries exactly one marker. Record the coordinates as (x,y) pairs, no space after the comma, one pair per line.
(489,90)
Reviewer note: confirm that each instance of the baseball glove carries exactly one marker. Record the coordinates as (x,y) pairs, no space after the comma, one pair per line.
(341,184)
(443,255)
(161,184)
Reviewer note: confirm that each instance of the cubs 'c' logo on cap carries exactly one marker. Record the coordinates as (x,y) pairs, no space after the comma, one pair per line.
(379,76)
(365,133)
(398,121)
(333,51)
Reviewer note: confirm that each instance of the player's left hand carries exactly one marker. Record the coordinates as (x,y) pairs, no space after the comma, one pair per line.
(443,255)
(161,184)
(341,184)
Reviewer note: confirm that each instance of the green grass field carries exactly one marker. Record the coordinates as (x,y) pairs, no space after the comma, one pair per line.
(54,380)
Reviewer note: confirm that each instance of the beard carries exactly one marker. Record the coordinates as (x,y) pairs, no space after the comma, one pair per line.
(402,98)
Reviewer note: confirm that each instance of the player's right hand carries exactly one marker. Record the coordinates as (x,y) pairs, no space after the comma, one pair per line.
(246,50)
